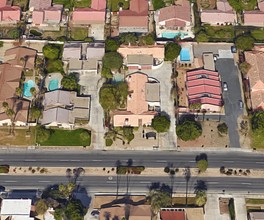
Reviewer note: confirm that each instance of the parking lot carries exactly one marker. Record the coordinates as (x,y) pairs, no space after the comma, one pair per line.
(229,74)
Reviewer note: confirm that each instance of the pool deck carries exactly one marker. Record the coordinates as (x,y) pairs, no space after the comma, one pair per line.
(52,76)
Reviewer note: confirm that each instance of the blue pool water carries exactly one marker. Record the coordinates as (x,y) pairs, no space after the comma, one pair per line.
(172,35)
(54,84)
(118,78)
(27,86)
(185,54)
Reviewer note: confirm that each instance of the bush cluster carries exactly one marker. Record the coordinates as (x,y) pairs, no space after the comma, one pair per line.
(129,170)
(230,172)
(4,168)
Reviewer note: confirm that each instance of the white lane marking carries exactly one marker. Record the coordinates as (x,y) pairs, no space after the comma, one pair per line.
(260,162)
(10,181)
(191,161)
(29,160)
(96,160)
(213,182)
(246,183)
(110,181)
(44,181)
(75,160)
(64,160)
(161,161)
(145,182)
(228,161)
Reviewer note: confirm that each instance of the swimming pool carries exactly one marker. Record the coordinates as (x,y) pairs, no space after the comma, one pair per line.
(185,54)
(53,84)
(118,78)
(27,86)
(172,35)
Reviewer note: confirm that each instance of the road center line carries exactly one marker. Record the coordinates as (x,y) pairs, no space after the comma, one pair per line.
(228,161)
(44,181)
(161,161)
(246,183)
(30,160)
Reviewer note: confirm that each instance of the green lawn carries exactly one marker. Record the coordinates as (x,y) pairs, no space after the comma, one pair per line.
(255,201)
(79,33)
(258,34)
(61,137)
(113,4)
(54,34)
(77,4)
(257,140)
(225,32)
(21,3)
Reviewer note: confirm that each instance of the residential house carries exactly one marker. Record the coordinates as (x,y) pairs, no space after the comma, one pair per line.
(44,14)
(89,16)
(181,214)
(142,102)
(174,20)
(204,87)
(10,80)
(256,216)
(223,15)
(135,19)
(255,76)
(9,14)
(64,108)
(142,212)
(15,209)
(21,57)
(142,57)
(255,17)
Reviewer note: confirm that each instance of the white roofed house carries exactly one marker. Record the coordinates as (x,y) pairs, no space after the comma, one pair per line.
(63,108)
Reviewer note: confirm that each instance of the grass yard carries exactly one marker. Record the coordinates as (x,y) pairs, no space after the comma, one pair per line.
(255,201)
(258,34)
(241,5)
(77,4)
(182,201)
(22,137)
(223,32)
(113,4)
(257,140)
(21,3)
(79,33)
(54,34)
(61,137)
(206,4)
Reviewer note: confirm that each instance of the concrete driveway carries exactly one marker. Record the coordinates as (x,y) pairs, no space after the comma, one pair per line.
(229,74)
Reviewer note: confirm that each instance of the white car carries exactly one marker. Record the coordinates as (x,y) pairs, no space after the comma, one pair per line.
(225,88)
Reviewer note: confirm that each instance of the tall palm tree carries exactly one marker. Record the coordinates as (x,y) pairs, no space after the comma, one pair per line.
(159,198)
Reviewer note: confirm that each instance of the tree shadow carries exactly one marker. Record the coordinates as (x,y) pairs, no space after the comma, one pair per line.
(81,194)
(186,117)
(159,186)
(187,176)
(200,185)
(202,156)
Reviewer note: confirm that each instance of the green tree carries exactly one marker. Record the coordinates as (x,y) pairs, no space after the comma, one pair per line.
(85,136)
(51,51)
(43,134)
(33,91)
(41,206)
(189,130)
(35,112)
(5,105)
(160,123)
(18,91)
(59,213)
(13,33)
(107,97)
(200,198)
(128,133)
(202,165)
(121,92)
(148,39)
(157,4)
(113,60)
(222,128)
(111,45)
(1,44)
(202,37)
(172,51)
(195,106)
(67,190)
(128,38)
(245,42)
(257,121)
(75,210)
(244,67)
(106,72)
(70,82)
(159,198)
(54,66)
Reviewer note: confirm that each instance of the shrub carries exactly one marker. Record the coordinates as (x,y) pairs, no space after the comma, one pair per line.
(202,165)
(157,4)
(42,170)
(113,60)
(189,130)
(51,51)
(172,51)
(35,33)
(222,128)
(111,45)
(4,169)
(13,33)
(108,142)
(166,169)
(33,171)
(136,170)
(85,136)
(54,66)
(121,170)
(222,169)
(43,134)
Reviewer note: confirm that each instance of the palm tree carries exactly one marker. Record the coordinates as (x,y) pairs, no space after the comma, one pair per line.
(200,198)
(159,198)
(5,105)
(33,91)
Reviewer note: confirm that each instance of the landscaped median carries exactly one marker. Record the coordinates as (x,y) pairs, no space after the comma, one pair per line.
(111,171)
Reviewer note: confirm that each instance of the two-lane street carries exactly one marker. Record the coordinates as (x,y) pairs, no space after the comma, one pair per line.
(145,158)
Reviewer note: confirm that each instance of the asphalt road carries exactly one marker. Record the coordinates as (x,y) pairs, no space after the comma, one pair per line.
(145,158)
(138,184)
(229,74)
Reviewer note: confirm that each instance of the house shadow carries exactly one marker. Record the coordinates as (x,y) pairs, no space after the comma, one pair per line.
(127,200)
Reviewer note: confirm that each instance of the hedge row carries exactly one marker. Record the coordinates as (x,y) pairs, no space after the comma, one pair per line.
(129,170)
(4,169)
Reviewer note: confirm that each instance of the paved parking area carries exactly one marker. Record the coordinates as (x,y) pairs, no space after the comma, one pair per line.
(229,74)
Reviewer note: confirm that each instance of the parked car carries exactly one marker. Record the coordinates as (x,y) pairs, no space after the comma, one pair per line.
(241,104)
(225,87)
(2,188)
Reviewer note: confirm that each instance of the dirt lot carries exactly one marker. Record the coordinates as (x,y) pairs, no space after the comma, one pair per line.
(223,206)
(181,79)
(206,4)
(209,138)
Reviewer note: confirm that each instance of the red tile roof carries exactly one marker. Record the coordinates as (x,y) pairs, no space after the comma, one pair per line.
(172,215)
(10,13)
(3,3)
(88,16)
(255,18)
(98,4)
(40,4)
